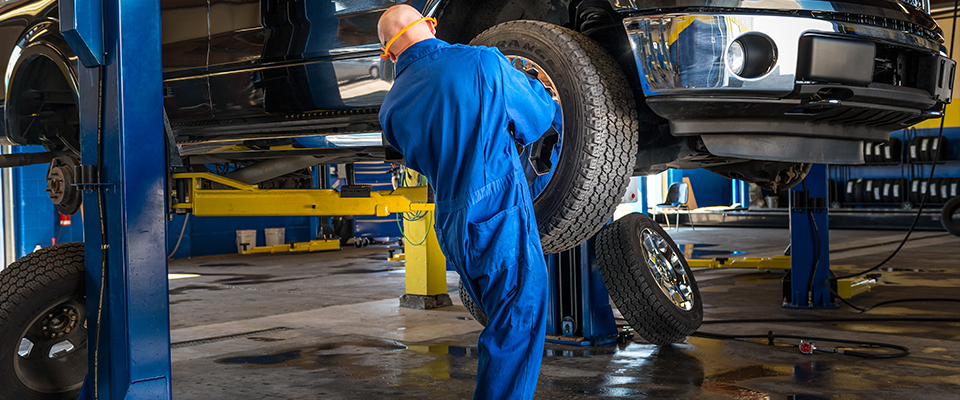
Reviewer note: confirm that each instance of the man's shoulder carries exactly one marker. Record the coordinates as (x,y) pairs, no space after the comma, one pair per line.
(484,53)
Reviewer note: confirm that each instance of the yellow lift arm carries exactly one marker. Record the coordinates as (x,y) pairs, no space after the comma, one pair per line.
(425,264)
(846,288)
(244,200)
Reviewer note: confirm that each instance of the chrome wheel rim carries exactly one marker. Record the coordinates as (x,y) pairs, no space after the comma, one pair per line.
(666,267)
(537,177)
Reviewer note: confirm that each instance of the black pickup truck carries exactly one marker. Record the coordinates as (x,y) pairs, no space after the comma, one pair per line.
(750,89)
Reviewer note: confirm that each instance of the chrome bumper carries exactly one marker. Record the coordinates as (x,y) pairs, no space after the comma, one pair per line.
(678,53)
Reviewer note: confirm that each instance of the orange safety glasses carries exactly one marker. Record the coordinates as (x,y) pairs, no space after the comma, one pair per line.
(386,49)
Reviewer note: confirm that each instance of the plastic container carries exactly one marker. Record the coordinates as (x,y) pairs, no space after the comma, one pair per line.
(246,240)
(274,236)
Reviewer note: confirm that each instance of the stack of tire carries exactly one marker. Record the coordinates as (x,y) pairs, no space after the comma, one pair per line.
(873,191)
(888,152)
(937,190)
(924,149)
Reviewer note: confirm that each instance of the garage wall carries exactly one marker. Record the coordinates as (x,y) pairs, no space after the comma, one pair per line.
(217,235)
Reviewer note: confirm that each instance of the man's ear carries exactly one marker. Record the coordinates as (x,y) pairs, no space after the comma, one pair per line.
(433,28)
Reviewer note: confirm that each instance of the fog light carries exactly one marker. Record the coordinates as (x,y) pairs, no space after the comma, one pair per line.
(735,57)
(751,55)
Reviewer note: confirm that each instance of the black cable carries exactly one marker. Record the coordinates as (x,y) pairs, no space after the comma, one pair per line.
(103,231)
(842,319)
(817,248)
(770,336)
(883,303)
(936,156)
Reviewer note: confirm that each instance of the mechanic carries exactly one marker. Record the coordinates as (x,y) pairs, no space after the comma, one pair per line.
(451,113)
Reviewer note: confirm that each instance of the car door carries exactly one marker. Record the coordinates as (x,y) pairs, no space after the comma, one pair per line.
(185,48)
(296,56)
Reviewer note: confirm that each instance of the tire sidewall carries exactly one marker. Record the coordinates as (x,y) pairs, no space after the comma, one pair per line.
(946,216)
(17,320)
(549,57)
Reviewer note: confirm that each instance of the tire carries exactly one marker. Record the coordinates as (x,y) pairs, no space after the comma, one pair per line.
(49,281)
(893,151)
(946,216)
(471,305)
(622,251)
(599,141)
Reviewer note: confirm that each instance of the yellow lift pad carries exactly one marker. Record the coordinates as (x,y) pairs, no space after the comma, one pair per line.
(311,246)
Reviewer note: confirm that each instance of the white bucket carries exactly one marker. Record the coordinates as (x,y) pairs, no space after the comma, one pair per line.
(274,236)
(246,240)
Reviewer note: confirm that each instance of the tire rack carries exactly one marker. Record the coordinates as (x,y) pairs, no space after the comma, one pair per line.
(913,163)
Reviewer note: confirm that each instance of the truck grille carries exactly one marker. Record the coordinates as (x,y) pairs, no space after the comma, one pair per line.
(881,22)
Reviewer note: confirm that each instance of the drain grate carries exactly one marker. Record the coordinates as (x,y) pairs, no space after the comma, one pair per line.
(222,338)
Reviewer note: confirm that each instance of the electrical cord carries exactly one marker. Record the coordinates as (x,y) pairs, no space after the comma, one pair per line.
(933,166)
(817,249)
(103,231)
(182,230)
(913,225)
(770,336)
(417,216)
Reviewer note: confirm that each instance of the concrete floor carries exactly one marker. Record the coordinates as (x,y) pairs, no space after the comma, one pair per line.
(328,326)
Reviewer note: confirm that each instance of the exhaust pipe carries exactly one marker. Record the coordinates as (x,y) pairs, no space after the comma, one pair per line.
(273,168)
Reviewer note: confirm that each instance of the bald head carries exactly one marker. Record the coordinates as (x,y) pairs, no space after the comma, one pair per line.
(394,20)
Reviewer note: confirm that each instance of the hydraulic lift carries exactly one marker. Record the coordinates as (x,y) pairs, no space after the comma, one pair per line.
(124,166)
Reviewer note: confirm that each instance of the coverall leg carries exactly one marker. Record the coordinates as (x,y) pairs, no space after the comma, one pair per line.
(493,242)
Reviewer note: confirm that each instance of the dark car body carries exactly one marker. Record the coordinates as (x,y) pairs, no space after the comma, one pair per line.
(256,79)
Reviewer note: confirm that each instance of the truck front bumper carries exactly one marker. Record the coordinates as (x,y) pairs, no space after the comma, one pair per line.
(805,89)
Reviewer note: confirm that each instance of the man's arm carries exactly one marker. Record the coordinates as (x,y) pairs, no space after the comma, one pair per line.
(528,104)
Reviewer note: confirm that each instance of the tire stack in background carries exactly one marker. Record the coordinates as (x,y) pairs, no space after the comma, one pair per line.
(896,174)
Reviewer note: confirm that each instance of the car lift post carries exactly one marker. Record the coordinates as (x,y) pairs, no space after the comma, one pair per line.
(809,244)
(122,37)
(578,305)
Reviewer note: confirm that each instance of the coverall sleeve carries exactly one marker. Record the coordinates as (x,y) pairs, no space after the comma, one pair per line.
(527,103)
(388,133)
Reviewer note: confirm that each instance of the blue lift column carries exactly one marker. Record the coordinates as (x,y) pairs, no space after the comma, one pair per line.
(578,308)
(809,244)
(121,40)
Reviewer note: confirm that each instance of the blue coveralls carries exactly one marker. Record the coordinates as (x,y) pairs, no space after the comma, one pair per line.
(450,113)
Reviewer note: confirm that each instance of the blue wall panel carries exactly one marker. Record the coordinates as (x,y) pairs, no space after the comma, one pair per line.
(709,188)
(217,235)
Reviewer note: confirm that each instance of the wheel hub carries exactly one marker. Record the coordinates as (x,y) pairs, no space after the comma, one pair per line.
(61,322)
(667,269)
(539,158)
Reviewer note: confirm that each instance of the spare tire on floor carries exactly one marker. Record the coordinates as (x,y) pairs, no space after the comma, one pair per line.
(43,336)
(471,305)
(649,279)
(947,216)
(591,161)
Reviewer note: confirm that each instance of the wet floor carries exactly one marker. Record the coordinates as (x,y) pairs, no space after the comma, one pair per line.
(327,326)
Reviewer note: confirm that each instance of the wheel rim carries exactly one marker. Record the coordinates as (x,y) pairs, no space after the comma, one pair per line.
(667,269)
(537,174)
(52,352)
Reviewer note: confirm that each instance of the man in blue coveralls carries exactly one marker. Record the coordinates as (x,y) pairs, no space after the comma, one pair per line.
(455,112)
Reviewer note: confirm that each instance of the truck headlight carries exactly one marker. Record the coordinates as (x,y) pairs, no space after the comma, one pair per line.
(751,55)
(735,57)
